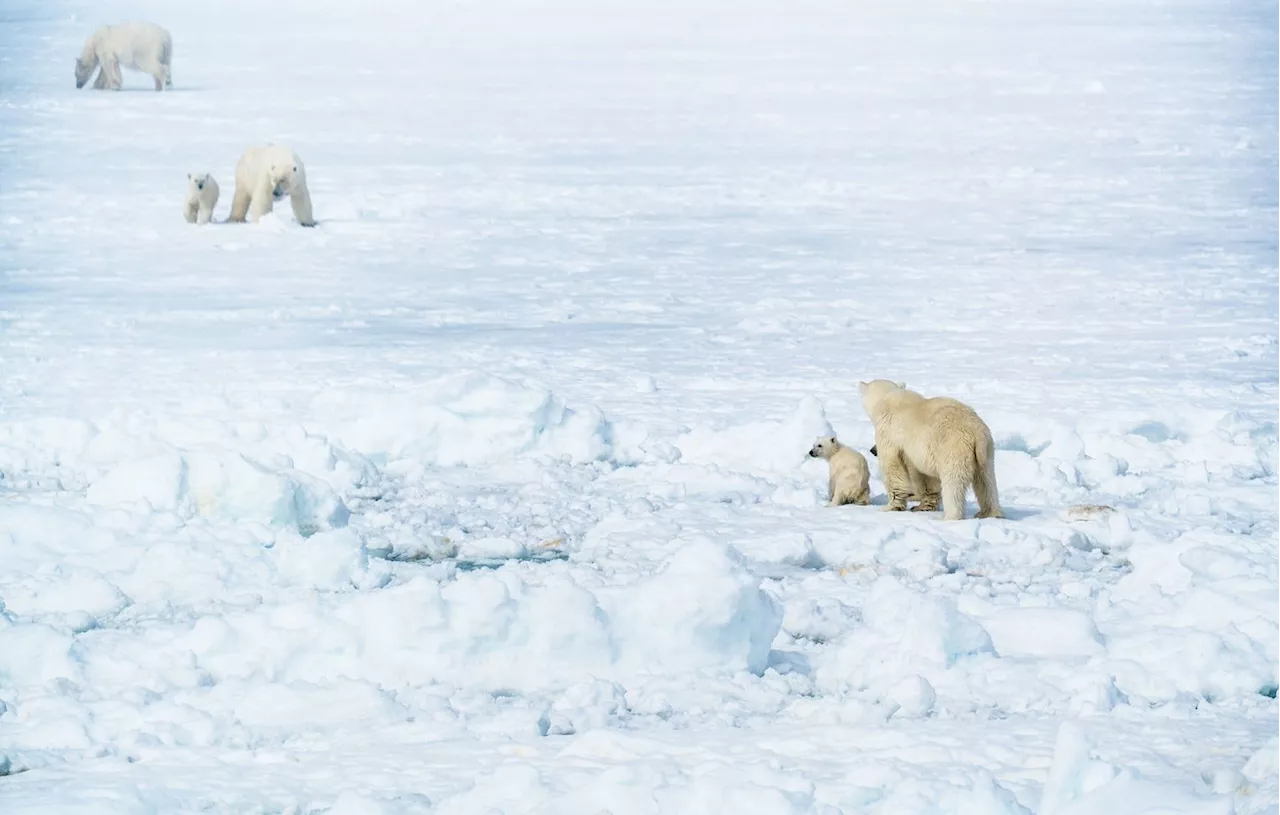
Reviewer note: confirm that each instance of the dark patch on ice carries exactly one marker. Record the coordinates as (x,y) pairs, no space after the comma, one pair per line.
(1155,432)
(1018,444)
(790,662)
(475,564)
(1269,690)
(7,767)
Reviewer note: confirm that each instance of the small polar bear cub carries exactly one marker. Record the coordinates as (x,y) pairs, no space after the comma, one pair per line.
(202,197)
(850,479)
(138,46)
(266,174)
(936,438)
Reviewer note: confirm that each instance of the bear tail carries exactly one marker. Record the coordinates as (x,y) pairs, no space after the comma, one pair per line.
(984,477)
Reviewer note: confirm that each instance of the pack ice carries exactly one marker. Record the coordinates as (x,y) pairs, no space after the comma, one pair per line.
(490,493)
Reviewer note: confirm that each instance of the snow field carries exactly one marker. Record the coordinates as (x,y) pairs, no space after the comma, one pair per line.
(489,494)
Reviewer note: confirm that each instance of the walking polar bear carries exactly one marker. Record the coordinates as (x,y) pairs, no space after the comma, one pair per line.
(264,175)
(138,46)
(918,439)
(202,197)
(850,479)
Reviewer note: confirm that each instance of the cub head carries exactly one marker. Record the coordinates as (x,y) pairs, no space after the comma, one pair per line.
(198,181)
(876,391)
(824,447)
(84,69)
(284,180)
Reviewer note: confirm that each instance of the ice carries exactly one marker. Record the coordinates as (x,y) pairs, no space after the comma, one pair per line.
(490,493)
(703,609)
(471,419)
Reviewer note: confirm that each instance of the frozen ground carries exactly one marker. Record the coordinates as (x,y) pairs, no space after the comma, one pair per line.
(488,494)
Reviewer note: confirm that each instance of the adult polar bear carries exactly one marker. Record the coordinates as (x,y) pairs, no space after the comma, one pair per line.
(935,438)
(265,174)
(138,46)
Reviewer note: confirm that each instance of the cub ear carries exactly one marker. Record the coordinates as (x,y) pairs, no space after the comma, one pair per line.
(902,385)
(188,176)
(862,387)
(295,168)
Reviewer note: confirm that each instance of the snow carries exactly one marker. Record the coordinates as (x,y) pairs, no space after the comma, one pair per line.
(489,493)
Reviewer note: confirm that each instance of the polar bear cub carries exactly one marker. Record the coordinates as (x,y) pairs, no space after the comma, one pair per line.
(938,438)
(850,479)
(202,197)
(264,175)
(138,46)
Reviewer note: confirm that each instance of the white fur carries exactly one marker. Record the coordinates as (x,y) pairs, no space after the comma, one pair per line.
(266,173)
(137,46)
(202,197)
(919,438)
(850,479)
(925,489)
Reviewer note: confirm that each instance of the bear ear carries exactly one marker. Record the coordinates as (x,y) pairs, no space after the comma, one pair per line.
(188,176)
(902,385)
(295,168)
(862,387)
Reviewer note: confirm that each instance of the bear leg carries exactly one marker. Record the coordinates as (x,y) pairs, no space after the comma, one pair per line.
(984,488)
(927,490)
(897,480)
(954,491)
(259,205)
(111,69)
(239,205)
(300,200)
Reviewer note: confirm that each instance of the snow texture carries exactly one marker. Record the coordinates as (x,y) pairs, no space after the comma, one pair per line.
(489,493)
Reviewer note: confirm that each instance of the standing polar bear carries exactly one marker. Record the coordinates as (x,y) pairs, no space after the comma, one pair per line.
(202,197)
(920,439)
(850,480)
(138,46)
(265,174)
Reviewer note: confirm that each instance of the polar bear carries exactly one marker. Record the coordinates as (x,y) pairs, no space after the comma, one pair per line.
(850,480)
(924,489)
(940,438)
(265,174)
(202,197)
(138,46)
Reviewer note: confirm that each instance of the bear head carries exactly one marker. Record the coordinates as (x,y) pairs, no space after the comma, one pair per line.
(198,181)
(876,391)
(284,180)
(824,447)
(84,69)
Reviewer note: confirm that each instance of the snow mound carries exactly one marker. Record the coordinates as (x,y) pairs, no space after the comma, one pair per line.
(776,446)
(466,419)
(907,636)
(497,630)
(222,485)
(1080,784)
(702,610)
(1044,632)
